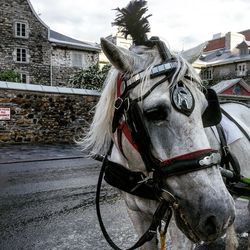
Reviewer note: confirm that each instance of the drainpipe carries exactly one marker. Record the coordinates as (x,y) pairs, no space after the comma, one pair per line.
(51,73)
(51,65)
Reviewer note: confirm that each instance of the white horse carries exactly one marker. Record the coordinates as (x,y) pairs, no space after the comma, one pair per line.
(207,208)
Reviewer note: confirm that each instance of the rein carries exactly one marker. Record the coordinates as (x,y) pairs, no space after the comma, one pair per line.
(128,121)
(163,212)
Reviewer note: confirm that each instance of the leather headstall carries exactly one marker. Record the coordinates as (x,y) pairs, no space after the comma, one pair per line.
(128,120)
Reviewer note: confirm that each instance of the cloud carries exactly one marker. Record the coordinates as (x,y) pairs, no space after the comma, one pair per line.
(182,23)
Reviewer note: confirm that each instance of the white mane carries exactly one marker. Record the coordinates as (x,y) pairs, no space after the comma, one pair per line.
(99,135)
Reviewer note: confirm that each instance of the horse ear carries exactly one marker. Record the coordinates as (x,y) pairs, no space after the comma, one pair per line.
(120,58)
(193,54)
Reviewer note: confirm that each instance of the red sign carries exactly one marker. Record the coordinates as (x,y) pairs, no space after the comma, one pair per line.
(4,114)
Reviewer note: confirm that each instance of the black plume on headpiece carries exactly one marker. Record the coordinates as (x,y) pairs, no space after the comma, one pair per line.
(132,21)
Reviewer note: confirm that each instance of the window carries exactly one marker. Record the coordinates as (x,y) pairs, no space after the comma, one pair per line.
(207,74)
(24,77)
(21,55)
(241,69)
(77,60)
(21,29)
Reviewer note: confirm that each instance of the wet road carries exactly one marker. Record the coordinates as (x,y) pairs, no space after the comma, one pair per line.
(49,204)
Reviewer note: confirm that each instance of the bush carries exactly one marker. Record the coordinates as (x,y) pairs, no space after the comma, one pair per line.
(91,78)
(10,75)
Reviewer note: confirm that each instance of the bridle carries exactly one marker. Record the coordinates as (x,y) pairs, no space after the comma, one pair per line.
(128,120)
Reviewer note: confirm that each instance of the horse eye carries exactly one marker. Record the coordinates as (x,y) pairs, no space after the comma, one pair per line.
(156,114)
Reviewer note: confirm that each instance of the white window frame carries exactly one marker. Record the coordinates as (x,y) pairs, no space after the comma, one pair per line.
(22,74)
(19,32)
(207,74)
(241,69)
(21,55)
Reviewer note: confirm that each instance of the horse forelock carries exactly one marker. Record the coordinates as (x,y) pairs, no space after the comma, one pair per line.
(183,68)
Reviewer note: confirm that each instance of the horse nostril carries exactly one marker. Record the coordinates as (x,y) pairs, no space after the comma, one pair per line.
(210,226)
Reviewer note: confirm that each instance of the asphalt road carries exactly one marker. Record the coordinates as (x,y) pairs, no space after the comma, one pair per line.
(49,204)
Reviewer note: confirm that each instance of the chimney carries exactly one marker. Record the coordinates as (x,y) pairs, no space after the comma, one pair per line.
(233,39)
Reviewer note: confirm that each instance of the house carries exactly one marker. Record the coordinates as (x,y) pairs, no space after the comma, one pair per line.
(39,54)
(236,89)
(225,57)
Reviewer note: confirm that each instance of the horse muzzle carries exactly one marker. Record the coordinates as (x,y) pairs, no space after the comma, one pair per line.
(204,214)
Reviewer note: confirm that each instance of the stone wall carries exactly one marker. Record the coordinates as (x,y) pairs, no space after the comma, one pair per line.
(47,115)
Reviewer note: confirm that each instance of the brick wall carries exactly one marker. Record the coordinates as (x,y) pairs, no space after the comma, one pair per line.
(42,114)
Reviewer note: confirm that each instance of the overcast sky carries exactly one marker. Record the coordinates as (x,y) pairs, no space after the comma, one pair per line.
(182,23)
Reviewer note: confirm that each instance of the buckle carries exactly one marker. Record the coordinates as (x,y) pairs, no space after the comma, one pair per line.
(212,159)
(118,103)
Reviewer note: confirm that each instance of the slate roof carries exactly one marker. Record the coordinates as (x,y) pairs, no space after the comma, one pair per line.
(226,84)
(220,57)
(68,42)
(219,43)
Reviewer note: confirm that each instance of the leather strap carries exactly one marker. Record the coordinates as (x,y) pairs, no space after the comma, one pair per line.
(152,230)
(228,157)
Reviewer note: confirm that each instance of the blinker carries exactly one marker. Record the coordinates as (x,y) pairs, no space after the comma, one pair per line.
(212,115)
(182,99)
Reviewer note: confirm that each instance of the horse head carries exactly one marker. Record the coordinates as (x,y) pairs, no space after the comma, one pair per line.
(154,108)
(162,131)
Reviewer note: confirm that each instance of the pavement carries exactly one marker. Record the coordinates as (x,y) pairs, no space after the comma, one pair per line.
(12,153)
(65,196)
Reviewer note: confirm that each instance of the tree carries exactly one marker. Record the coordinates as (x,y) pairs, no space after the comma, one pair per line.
(10,75)
(91,78)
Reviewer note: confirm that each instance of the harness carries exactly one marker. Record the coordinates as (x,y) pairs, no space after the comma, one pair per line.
(236,183)
(128,121)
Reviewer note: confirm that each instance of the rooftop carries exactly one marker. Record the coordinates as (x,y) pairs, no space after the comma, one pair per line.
(66,41)
(219,43)
(228,49)
(226,84)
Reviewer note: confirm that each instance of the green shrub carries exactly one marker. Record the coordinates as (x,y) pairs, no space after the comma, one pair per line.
(91,78)
(10,76)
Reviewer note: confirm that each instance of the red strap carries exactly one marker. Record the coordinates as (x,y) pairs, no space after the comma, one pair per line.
(127,134)
(123,126)
(119,82)
(125,130)
(187,156)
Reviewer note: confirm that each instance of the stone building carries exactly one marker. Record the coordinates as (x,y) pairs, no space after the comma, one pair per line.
(226,57)
(39,54)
